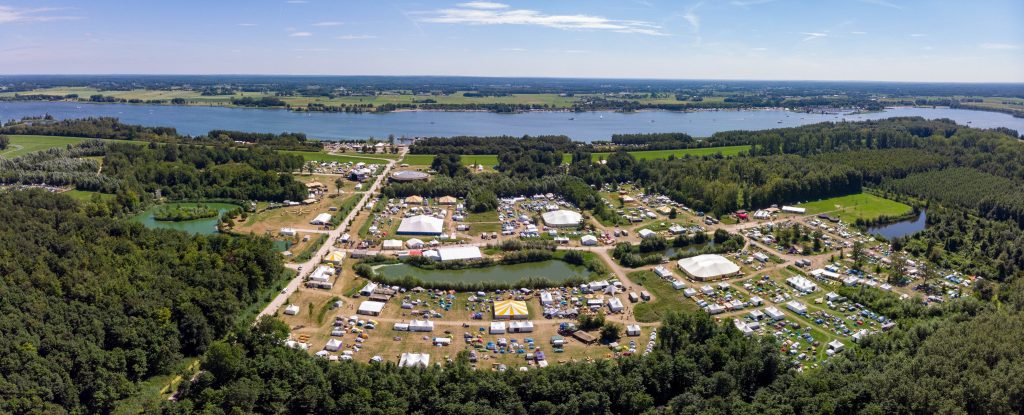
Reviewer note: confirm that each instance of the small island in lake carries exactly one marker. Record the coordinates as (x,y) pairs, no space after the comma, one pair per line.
(183,213)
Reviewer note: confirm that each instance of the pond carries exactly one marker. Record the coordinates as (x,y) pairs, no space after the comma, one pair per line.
(587,126)
(901,228)
(206,226)
(554,270)
(688,251)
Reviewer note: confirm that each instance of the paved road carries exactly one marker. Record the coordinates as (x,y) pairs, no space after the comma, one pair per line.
(307,267)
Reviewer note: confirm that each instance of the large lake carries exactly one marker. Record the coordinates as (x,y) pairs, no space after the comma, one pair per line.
(587,126)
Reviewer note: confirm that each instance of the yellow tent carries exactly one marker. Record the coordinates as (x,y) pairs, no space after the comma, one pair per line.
(335,257)
(510,309)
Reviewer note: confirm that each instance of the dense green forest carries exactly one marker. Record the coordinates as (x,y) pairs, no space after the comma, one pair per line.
(961,357)
(177,171)
(91,305)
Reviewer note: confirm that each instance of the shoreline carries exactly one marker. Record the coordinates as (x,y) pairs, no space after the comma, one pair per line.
(837,111)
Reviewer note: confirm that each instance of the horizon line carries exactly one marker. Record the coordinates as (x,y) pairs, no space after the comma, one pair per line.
(517,77)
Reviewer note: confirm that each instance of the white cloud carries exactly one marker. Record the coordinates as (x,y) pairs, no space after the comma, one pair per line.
(41,14)
(355,37)
(301,34)
(486,5)
(693,20)
(324,24)
(759,49)
(247,24)
(999,46)
(745,3)
(918,35)
(883,3)
(513,50)
(492,16)
(813,35)
(858,33)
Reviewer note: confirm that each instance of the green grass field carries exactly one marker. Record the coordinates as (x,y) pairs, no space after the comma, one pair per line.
(492,159)
(665,298)
(341,158)
(87,196)
(859,206)
(24,144)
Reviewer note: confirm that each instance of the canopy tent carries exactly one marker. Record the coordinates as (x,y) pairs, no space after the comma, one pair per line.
(562,218)
(421,225)
(335,257)
(510,309)
(707,267)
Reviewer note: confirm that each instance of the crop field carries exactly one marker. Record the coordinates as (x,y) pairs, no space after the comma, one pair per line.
(859,206)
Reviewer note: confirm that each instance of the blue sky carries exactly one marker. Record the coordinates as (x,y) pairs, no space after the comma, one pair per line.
(895,40)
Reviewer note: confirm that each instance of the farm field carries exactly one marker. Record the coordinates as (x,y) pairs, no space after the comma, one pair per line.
(859,206)
(195,98)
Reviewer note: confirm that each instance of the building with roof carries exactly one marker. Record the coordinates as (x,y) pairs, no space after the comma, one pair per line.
(562,218)
(802,284)
(421,225)
(588,240)
(446,200)
(370,308)
(459,253)
(510,310)
(707,267)
(391,245)
(408,176)
(414,200)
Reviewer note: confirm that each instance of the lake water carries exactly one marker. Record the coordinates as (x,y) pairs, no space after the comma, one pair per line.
(553,270)
(207,226)
(587,126)
(900,229)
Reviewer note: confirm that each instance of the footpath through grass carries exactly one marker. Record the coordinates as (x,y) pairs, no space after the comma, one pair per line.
(864,206)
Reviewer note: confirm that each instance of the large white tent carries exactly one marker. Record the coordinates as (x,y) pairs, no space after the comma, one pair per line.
(421,225)
(707,267)
(562,218)
(421,360)
(459,253)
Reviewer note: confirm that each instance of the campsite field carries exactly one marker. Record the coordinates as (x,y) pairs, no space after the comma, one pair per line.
(664,297)
(340,158)
(858,206)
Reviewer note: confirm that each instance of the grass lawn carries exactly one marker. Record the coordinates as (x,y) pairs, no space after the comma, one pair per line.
(340,158)
(665,298)
(24,144)
(87,195)
(491,159)
(695,152)
(858,206)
